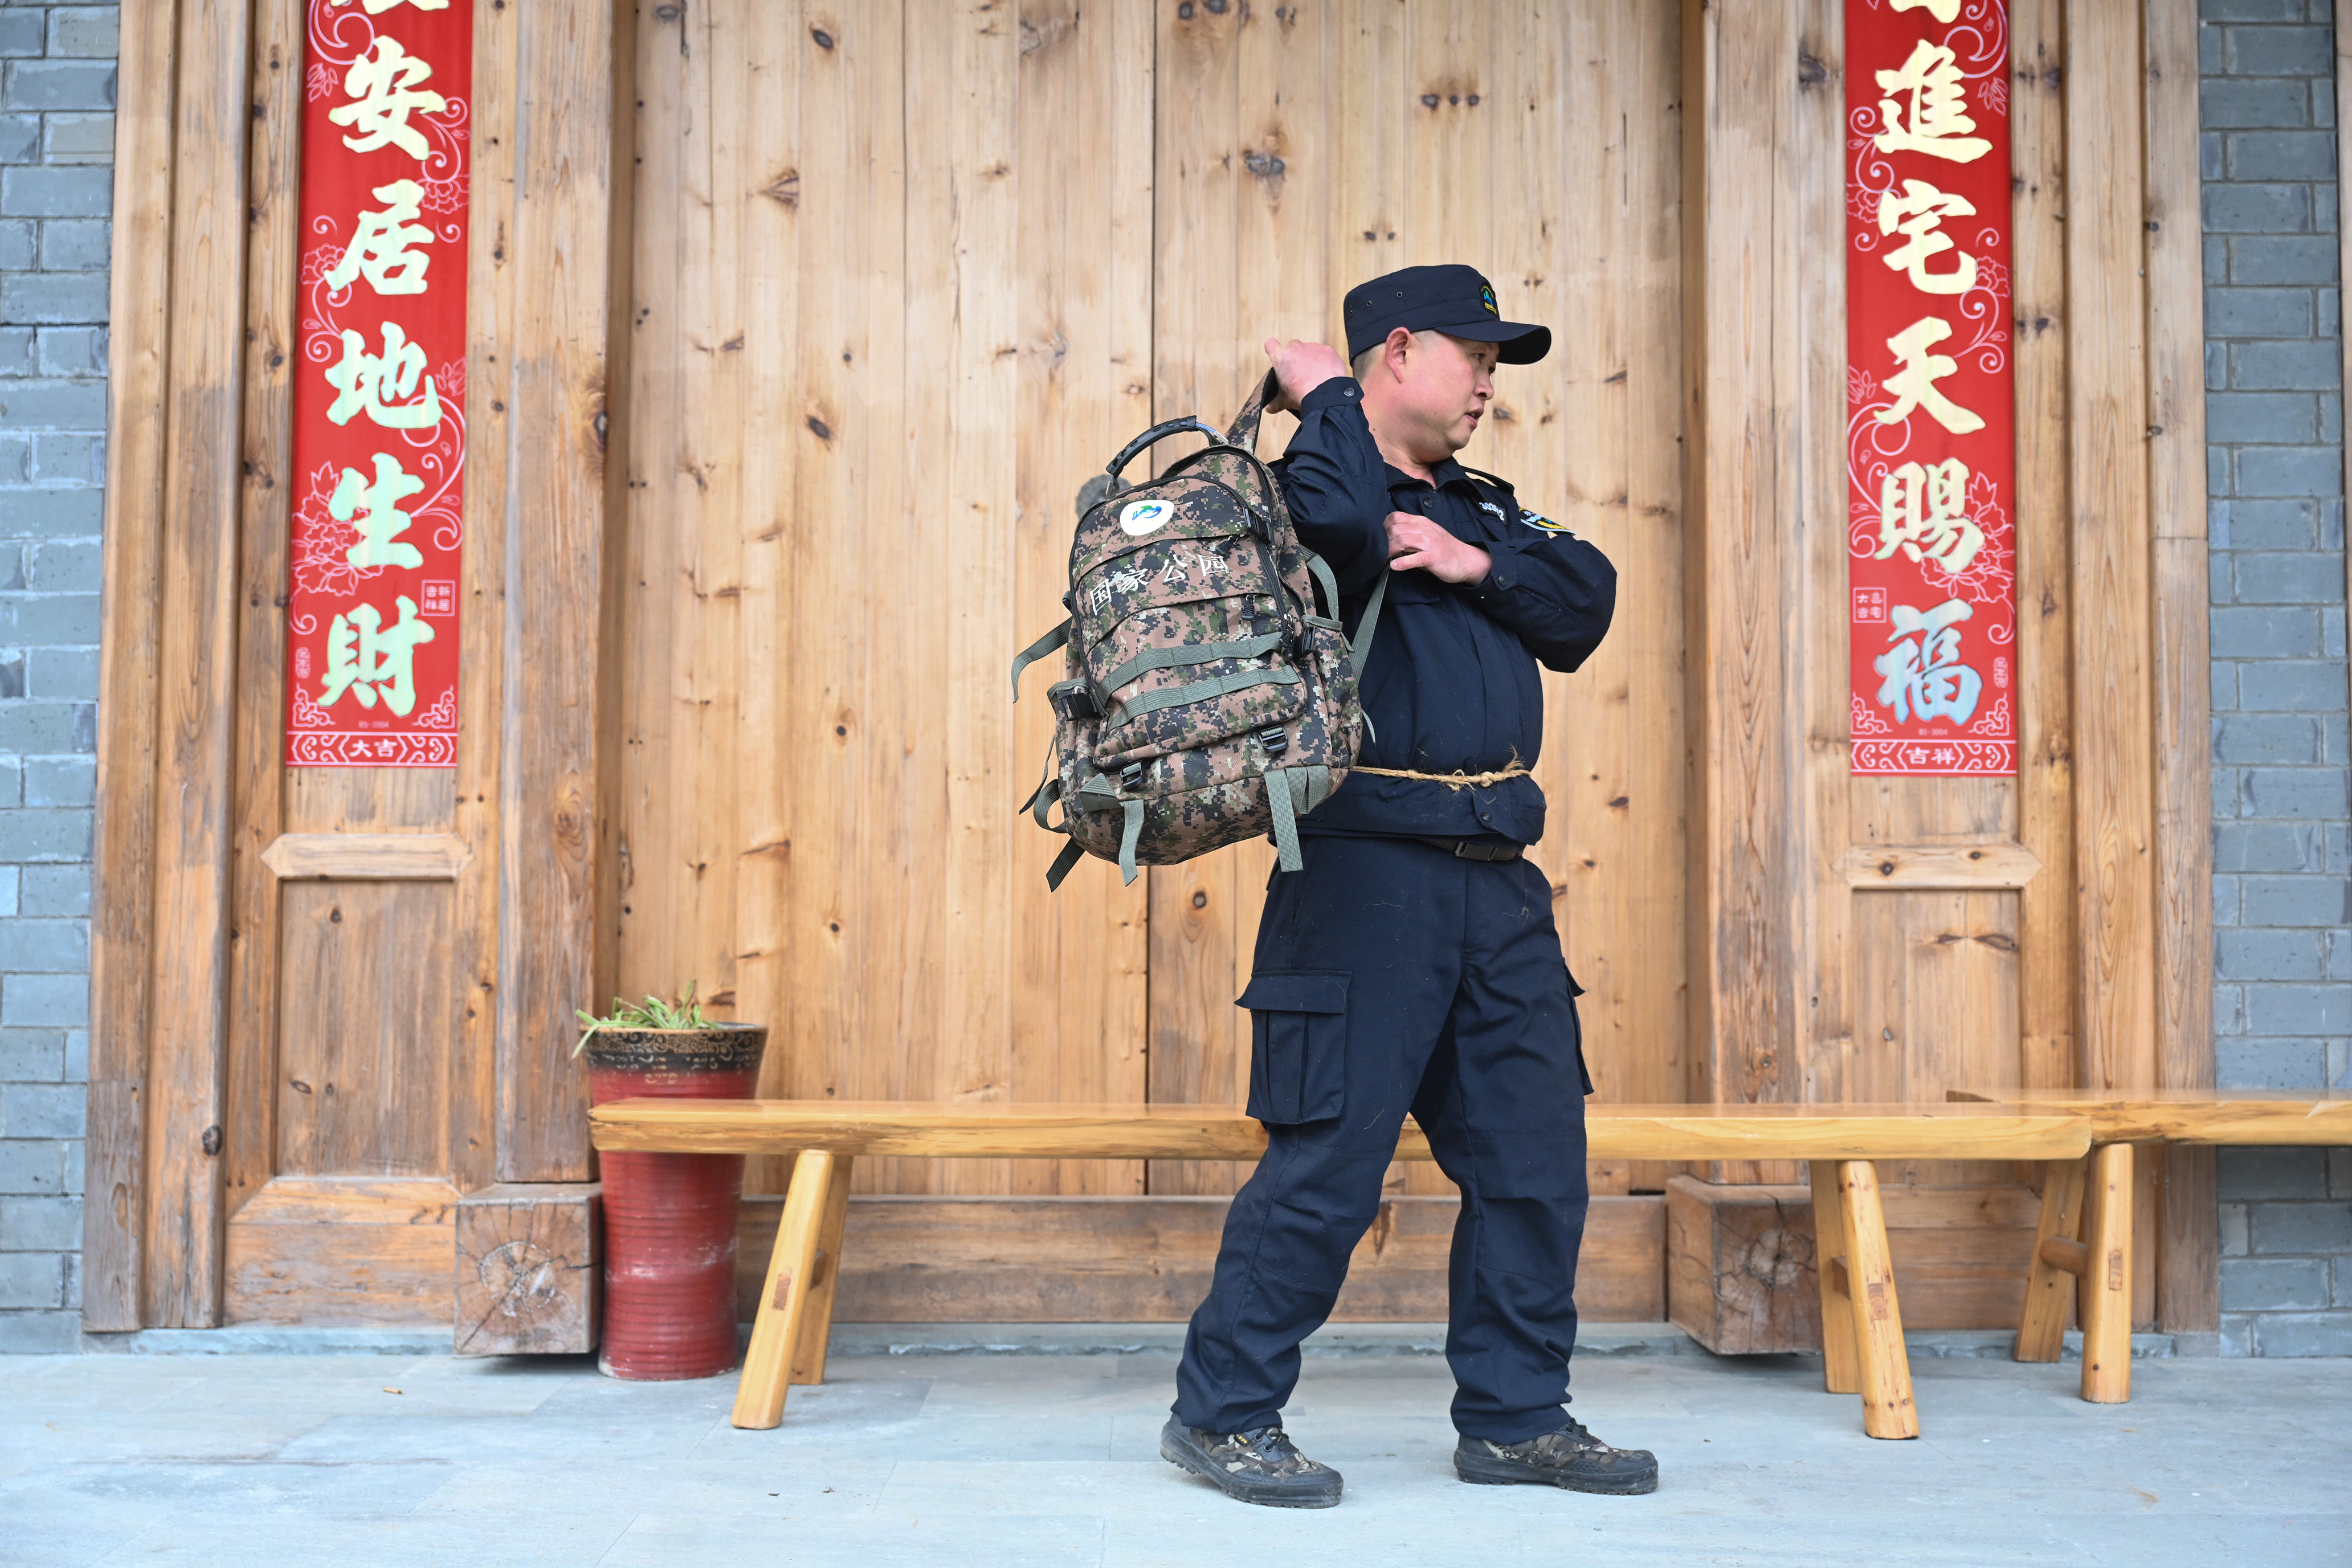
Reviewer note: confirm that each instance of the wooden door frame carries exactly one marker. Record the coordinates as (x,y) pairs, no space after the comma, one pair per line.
(199,422)
(2124,904)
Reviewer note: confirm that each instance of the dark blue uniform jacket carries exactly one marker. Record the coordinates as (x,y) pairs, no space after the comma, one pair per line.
(1452,684)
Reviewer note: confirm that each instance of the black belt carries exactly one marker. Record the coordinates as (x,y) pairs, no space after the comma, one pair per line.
(1474,848)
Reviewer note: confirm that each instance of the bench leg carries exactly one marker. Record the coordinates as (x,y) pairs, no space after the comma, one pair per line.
(1841,1370)
(2049,1284)
(1886,1406)
(2106,1282)
(816,1318)
(783,1300)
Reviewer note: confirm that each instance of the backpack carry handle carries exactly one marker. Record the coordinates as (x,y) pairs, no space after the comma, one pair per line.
(1160,432)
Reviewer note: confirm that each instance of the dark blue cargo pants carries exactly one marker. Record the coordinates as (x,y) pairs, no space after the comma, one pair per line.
(1391,976)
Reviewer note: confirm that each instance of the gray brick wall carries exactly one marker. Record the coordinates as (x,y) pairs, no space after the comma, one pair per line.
(57,147)
(2282,818)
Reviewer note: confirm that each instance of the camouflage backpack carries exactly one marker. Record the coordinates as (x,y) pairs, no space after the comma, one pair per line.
(1205,699)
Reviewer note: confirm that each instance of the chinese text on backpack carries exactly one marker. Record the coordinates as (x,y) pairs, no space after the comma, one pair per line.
(1204,699)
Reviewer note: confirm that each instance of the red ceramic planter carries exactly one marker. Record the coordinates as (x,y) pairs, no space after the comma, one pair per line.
(669,1219)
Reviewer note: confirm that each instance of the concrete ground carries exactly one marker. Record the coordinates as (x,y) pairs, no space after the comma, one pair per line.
(1016,1458)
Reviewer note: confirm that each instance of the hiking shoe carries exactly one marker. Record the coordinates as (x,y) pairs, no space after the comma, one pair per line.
(1261,1466)
(1571,1457)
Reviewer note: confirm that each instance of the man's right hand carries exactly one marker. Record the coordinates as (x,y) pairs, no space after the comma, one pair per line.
(1301,367)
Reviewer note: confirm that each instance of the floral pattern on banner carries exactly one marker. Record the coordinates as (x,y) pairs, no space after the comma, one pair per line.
(377,524)
(1930,399)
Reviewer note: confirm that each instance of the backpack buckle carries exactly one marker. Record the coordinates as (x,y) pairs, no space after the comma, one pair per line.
(1275,739)
(1074,699)
(1131,776)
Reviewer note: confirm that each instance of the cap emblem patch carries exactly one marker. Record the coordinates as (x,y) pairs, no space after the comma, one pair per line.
(1486,298)
(1141,517)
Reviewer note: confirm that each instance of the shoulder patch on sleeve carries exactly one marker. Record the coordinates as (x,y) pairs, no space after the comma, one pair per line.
(1543,524)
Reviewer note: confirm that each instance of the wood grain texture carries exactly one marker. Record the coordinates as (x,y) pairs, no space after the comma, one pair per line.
(122,893)
(909,1260)
(1743,322)
(557,229)
(2185,1260)
(1887,1409)
(366,857)
(529,1270)
(783,1301)
(2104,1296)
(195,653)
(1955,866)
(2114,739)
(342,1252)
(1208,1132)
(256,782)
(1841,1352)
(2048,934)
(2050,1290)
(2241,1117)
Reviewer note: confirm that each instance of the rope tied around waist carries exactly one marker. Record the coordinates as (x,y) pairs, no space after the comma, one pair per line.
(1450,781)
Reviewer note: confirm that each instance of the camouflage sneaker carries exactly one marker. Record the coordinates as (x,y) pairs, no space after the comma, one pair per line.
(1261,1466)
(1571,1457)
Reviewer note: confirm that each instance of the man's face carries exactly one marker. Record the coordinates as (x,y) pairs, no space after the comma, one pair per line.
(1442,393)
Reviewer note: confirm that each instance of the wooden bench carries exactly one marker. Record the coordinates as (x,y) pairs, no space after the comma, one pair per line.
(1861,1326)
(2084,1242)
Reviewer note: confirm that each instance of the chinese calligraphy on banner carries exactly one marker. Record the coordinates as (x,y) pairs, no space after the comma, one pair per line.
(380,385)
(1930,420)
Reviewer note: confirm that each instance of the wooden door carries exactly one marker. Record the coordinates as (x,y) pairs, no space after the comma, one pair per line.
(328,1001)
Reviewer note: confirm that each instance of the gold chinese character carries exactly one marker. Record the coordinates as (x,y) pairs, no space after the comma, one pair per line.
(379,382)
(1939,121)
(378,8)
(377,506)
(379,247)
(1914,385)
(370,662)
(385,85)
(1919,212)
(1922,511)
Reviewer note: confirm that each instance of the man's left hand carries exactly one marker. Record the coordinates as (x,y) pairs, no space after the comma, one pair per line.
(1417,545)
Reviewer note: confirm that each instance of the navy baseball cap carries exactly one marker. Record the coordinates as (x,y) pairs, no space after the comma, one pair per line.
(1452,299)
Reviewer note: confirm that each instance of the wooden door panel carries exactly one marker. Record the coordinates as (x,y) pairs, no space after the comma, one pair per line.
(364,1029)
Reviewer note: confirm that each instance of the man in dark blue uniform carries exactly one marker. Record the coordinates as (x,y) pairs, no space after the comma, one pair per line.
(1411,964)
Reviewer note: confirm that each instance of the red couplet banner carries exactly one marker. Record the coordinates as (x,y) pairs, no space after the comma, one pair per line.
(1931,405)
(380,385)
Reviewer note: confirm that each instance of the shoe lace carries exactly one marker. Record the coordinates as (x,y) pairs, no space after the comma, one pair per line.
(1269,1442)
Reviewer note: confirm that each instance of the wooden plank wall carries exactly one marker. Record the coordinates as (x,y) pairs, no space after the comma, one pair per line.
(890,311)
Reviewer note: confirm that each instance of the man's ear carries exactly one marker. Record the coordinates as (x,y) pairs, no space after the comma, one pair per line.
(1397,349)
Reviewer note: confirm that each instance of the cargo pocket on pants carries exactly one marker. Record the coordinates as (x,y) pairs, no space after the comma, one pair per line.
(1299,1047)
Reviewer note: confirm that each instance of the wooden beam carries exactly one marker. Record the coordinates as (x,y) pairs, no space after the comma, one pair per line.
(1955,866)
(922,1131)
(2114,740)
(1743,325)
(123,896)
(195,662)
(557,225)
(2188,1252)
(367,856)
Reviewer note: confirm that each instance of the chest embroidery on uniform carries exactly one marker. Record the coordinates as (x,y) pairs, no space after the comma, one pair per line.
(1543,524)
(1490,506)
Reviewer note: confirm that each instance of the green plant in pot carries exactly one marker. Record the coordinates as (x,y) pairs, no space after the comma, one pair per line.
(669,1219)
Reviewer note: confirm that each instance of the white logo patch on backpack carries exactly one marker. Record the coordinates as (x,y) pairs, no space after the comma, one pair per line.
(1141,517)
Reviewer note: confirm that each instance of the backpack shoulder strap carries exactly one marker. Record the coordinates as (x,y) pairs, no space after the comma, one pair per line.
(1244,430)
